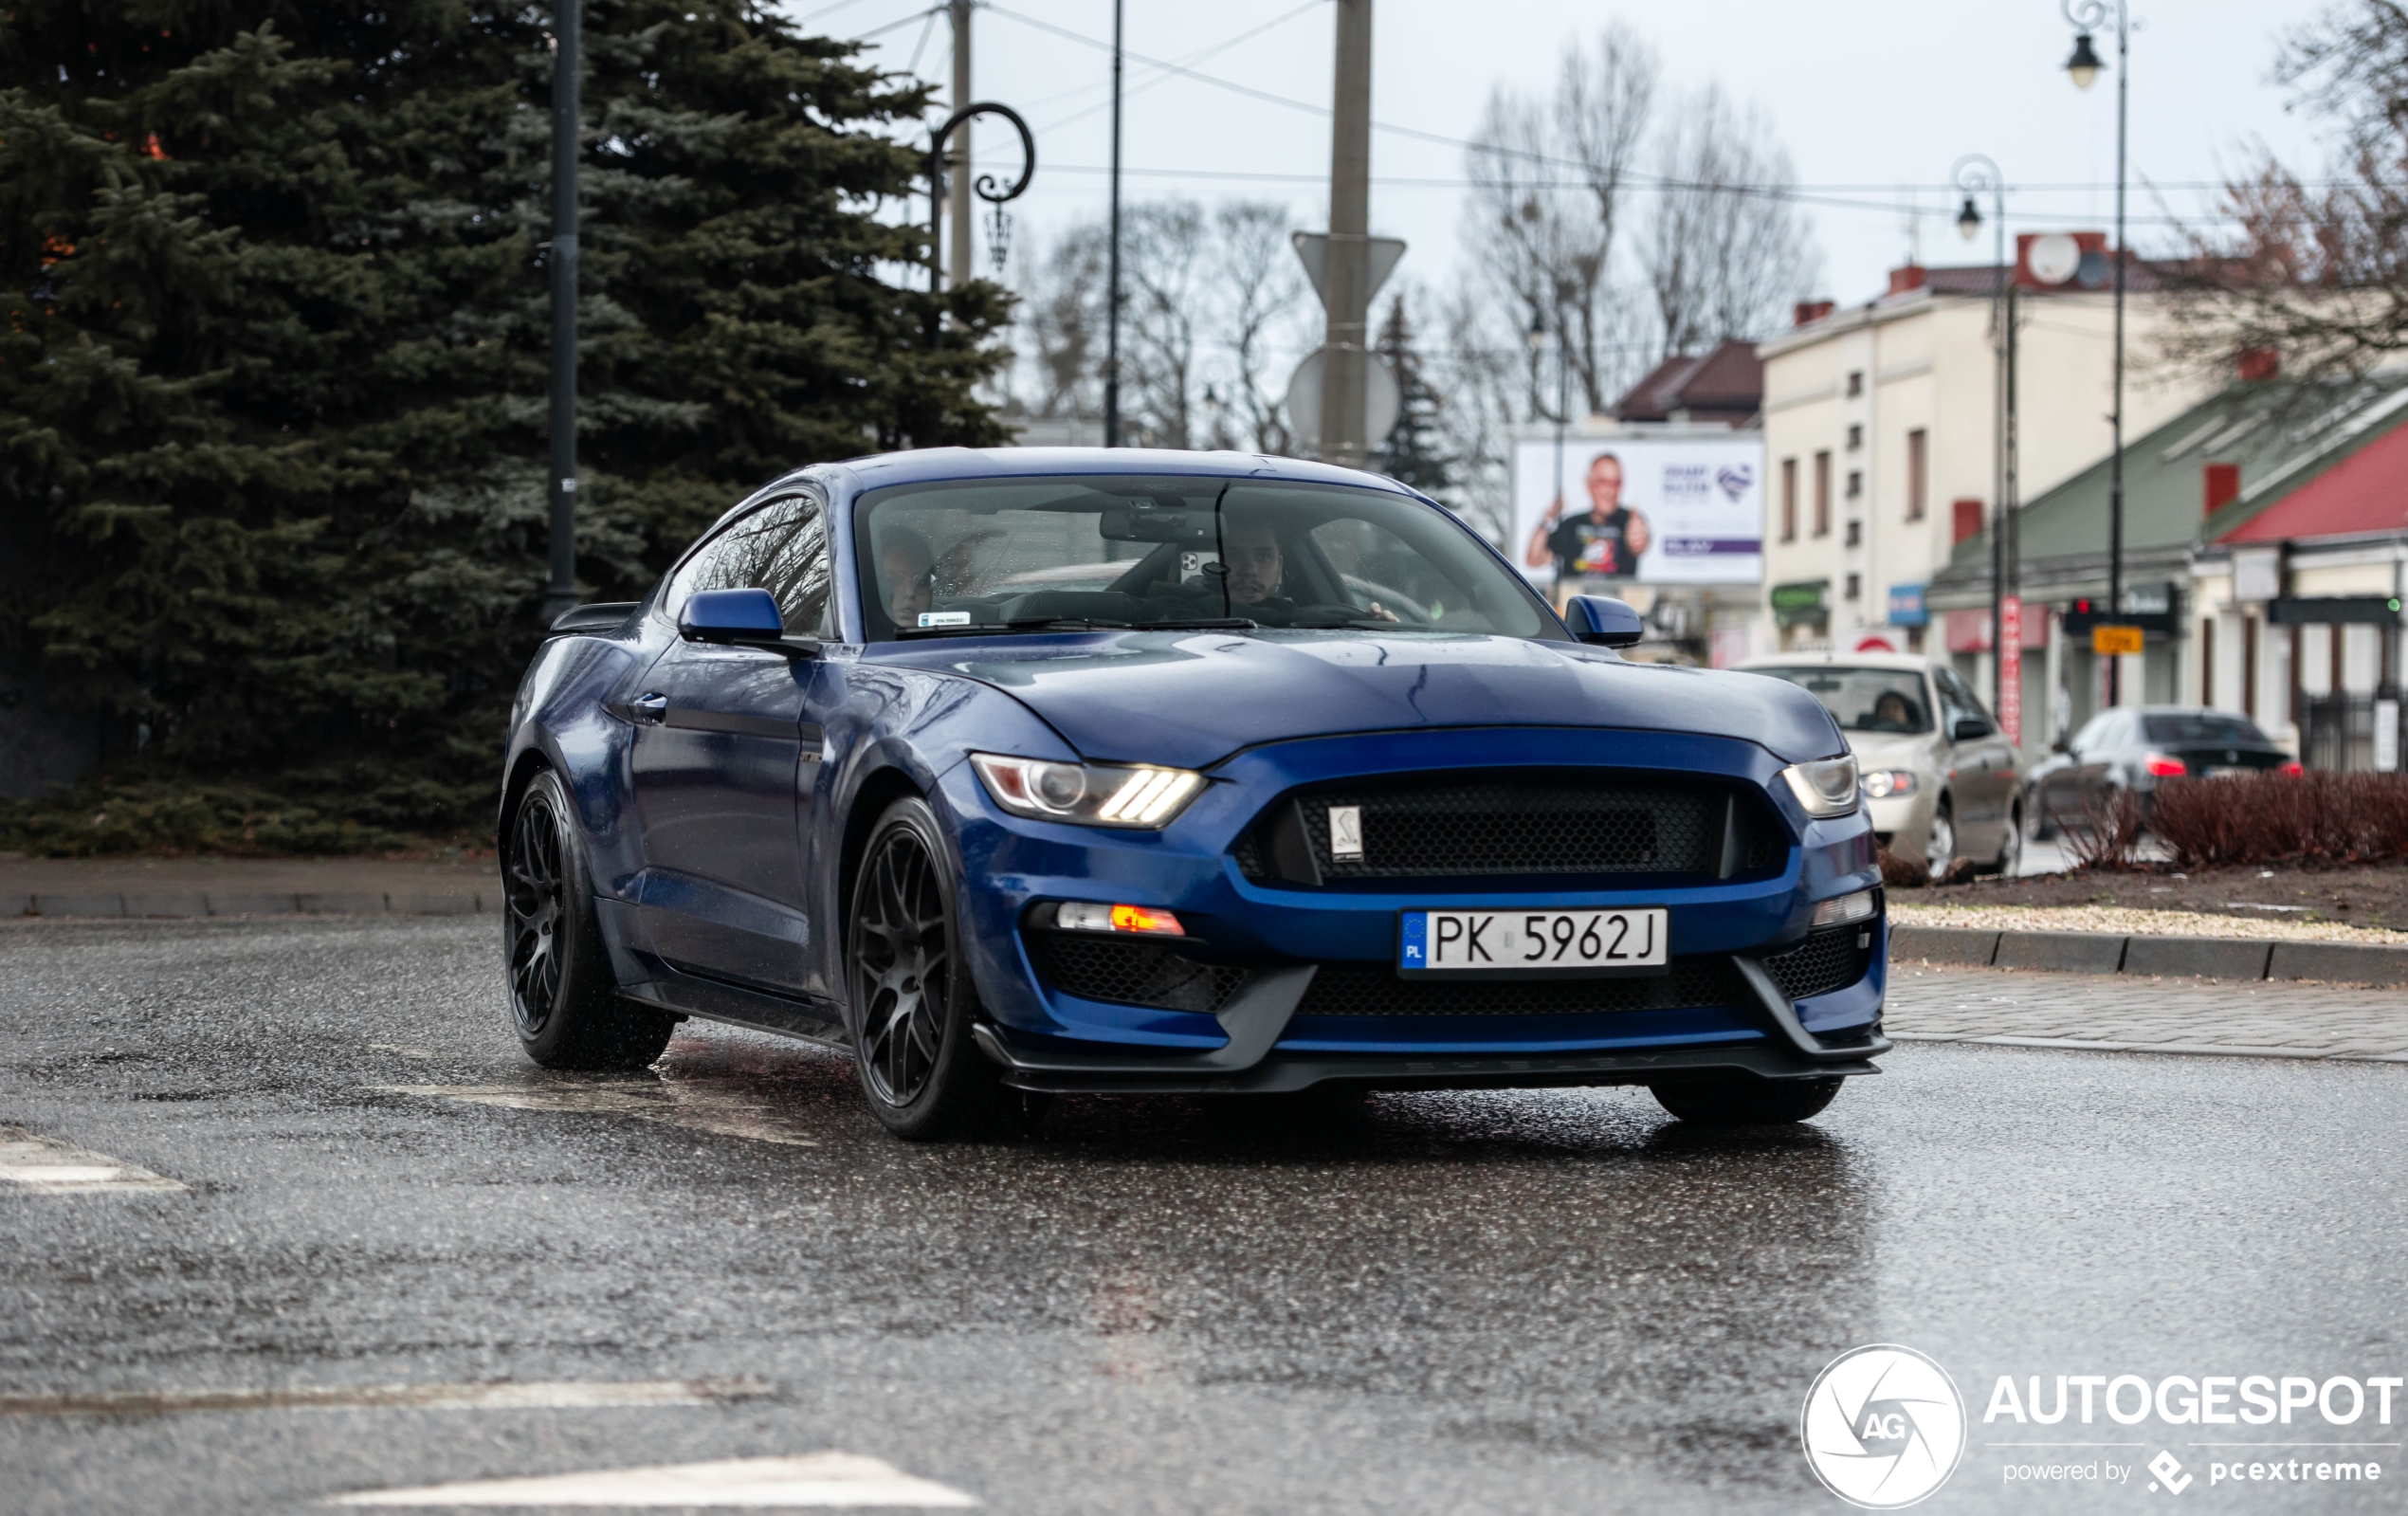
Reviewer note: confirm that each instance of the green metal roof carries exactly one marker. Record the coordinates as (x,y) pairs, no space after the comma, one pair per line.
(2281,435)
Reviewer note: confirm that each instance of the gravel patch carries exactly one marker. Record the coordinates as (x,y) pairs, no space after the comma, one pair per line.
(2124,920)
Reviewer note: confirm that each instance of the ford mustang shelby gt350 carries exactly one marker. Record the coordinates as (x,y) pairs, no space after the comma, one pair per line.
(1026,771)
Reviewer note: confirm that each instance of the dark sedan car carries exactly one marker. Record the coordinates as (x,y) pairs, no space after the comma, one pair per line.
(2129,749)
(1023,772)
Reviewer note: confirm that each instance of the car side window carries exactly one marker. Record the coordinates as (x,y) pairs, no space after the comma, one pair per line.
(781,547)
(2093,734)
(1959,700)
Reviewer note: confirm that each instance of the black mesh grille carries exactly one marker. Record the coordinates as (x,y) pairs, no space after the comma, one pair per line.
(1539,826)
(1825,961)
(1375,989)
(1146,974)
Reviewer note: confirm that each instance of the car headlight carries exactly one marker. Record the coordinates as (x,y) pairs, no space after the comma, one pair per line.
(1826,787)
(1883,783)
(1089,793)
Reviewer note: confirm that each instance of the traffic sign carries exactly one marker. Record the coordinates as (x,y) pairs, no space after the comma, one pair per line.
(2115,639)
(1382,398)
(1380,260)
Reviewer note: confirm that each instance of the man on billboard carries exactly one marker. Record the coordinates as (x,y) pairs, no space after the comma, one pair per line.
(1604,540)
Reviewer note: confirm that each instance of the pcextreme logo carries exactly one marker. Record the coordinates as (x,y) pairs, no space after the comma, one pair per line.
(1883,1427)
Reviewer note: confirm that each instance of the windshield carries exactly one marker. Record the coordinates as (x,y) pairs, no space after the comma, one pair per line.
(1035,554)
(1865,700)
(2201,726)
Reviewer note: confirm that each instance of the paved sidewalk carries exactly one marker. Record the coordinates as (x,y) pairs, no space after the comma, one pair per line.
(2121,1013)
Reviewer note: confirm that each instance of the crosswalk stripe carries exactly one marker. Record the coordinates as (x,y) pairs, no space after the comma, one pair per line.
(560,1395)
(48,1166)
(819,1479)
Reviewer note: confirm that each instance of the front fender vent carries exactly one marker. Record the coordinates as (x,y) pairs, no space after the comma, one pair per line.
(1143,973)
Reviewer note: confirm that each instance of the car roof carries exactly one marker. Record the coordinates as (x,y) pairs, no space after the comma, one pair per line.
(1914,661)
(933,465)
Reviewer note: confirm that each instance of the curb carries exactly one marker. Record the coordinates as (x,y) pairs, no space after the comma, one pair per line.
(249,902)
(2206,958)
(2202,1050)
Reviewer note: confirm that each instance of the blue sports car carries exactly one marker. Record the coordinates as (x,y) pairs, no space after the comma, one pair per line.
(1027,772)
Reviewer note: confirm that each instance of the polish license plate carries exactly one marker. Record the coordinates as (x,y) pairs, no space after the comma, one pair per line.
(1536,944)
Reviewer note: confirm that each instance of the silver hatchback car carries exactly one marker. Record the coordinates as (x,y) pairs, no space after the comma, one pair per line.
(1940,780)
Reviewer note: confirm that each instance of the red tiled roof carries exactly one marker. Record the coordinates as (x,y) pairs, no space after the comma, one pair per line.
(2367,491)
(1725,384)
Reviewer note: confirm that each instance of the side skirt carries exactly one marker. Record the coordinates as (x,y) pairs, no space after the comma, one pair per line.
(683,994)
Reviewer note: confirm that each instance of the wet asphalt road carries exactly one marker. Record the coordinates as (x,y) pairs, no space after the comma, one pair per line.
(1520,1302)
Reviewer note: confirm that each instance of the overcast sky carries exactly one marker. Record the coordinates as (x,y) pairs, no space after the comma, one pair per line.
(1874,100)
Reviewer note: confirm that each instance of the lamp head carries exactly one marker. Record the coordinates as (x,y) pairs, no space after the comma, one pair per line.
(2084,67)
(1537,336)
(1968,220)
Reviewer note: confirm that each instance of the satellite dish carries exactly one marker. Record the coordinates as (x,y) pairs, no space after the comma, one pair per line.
(1382,399)
(2054,259)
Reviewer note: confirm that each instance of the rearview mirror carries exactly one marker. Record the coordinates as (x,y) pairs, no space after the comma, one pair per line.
(1149,521)
(1603,621)
(731,615)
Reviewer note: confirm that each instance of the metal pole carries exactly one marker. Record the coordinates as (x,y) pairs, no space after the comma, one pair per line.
(2115,475)
(1998,455)
(2011,502)
(958,162)
(1563,405)
(562,593)
(1112,292)
(1342,411)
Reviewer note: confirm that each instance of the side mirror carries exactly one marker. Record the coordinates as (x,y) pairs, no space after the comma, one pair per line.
(2061,745)
(1970,729)
(1603,621)
(732,616)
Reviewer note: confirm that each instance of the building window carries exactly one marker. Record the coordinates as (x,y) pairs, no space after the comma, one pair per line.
(1918,474)
(1856,484)
(1822,494)
(1855,586)
(1856,383)
(1789,499)
(1855,534)
(1855,436)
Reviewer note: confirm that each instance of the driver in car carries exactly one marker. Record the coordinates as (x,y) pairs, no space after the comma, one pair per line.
(1252,571)
(908,572)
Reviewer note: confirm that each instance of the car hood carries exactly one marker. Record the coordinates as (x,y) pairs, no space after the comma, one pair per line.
(1891,750)
(1190,699)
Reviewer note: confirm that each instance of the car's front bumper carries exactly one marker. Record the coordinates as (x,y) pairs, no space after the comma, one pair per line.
(1269,1037)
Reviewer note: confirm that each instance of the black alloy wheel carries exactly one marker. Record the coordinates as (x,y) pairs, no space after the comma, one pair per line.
(531,911)
(564,1001)
(912,1002)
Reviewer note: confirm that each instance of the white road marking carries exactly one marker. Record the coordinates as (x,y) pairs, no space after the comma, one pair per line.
(824,1479)
(564,1396)
(51,1167)
(701,1108)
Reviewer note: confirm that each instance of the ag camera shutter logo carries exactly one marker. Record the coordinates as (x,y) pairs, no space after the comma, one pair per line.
(1884,1427)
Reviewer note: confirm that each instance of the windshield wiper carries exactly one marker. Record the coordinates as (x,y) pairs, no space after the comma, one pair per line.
(1202,624)
(1355,624)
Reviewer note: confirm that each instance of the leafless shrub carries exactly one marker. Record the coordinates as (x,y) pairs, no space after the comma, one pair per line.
(2107,833)
(1902,873)
(2309,818)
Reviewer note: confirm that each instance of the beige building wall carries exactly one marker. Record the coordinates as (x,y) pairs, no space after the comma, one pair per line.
(1860,383)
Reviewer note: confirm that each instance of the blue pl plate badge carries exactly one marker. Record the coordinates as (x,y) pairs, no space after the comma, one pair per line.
(1416,952)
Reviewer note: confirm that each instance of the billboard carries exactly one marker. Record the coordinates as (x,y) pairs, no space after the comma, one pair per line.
(1662,511)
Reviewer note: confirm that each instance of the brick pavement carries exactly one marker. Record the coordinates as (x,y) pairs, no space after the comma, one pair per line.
(2122,1013)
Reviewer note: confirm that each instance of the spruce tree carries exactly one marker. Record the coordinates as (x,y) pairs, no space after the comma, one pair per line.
(1412,453)
(272,370)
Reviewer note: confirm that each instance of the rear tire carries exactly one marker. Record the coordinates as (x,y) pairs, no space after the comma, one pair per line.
(564,1001)
(1744,1099)
(911,1003)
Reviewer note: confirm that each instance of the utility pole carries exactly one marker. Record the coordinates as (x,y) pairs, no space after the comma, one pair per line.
(562,594)
(1346,295)
(1112,281)
(958,159)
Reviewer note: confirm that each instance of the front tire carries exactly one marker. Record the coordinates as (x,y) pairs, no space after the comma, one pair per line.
(1940,843)
(912,1002)
(2010,860)
(1744,1099)
(564,1002)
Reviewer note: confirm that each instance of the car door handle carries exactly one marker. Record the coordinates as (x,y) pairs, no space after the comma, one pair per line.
(648,710)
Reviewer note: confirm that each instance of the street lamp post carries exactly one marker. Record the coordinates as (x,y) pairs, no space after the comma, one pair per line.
(1537,337)
(983,187)
(2082,68)
(1972,173)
